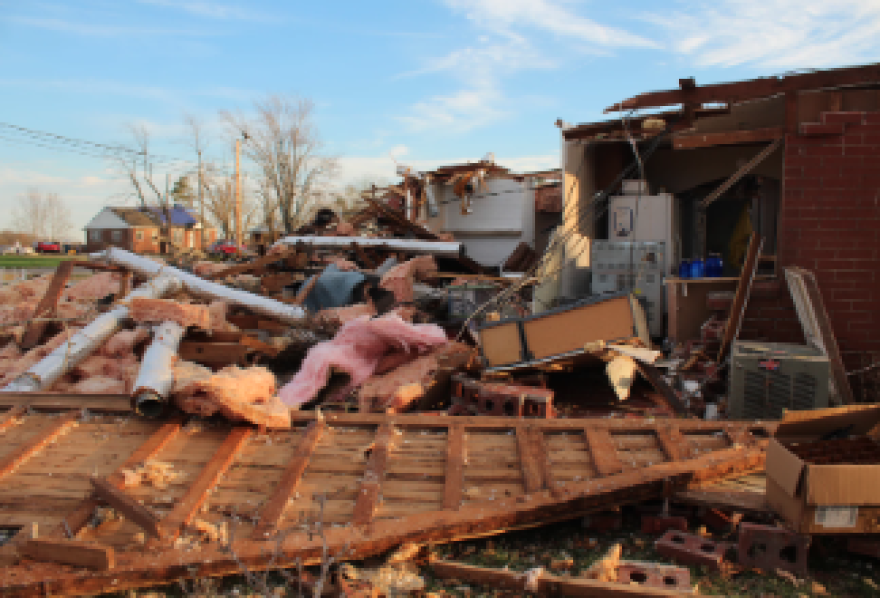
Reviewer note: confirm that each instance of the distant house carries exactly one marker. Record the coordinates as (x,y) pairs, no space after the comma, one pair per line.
(138,229)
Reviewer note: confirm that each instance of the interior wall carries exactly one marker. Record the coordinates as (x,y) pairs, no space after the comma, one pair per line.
(578,187)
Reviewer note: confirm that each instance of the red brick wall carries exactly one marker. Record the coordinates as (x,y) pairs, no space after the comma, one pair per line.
(830,224)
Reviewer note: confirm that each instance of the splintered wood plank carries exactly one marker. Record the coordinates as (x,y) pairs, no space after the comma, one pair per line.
(741,299)
(9,463)
(673,443)
(455,453)
(128,506)
(9,418)
(533,480)
(369,488)
(46,308)
(739,436)
(195,496)
(149,449)
(88,555)
(603,451)
(271,514)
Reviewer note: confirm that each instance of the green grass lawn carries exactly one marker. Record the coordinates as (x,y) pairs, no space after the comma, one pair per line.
(34,261)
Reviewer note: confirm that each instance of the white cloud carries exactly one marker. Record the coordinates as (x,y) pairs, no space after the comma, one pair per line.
(552,16)
(775,33)
(212,10)
(505,44)
(457,112)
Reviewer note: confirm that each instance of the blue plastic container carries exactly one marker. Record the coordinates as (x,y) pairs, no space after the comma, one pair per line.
(684,269)
(714,266)
(697,269)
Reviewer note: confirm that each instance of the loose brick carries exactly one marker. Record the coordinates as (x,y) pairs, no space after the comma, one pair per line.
(689,549)
(770,548)
(654,575)
(660,524)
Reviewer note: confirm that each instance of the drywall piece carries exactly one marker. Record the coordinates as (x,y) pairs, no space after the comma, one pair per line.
(818,330)
(637,353)
(622,373)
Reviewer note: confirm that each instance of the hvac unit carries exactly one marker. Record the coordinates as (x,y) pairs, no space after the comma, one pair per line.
(768,378)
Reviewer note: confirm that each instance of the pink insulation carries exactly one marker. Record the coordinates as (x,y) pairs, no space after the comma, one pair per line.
(344,229)
(12,368)
(98,385)
(401,277)
(217,316)
(124,341)
(356,350)
(239,394)
(34,288)
(96,286)
(167,310)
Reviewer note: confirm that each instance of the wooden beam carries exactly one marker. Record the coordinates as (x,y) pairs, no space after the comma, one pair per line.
(249,266)
(751,89)
(369,489)
(542,458)
(673,443)
(272,512)
(603,451)
(130,508)
(33,333)
(186,508)
(454,480)
(8,419)
(739,436)
(215,354)
(88,555)
(149,449)
(306,289)
(97,266)
(363,257)
(740,173)
(741,299)
(18,457)
(53,401)
(533,479)
(695,141)
(259,346)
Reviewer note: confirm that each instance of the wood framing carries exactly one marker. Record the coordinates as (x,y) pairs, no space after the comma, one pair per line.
(741,299)
(34,331)
(698,140)
(424,479)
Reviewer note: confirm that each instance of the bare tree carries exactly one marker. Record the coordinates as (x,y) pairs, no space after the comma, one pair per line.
(43,216)
(282,141)
(219,197)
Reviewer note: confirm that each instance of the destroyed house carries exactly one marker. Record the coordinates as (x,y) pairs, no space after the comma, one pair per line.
(792,158)
(139,229)
(489,209)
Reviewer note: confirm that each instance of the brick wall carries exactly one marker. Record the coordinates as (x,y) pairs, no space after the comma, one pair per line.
(830,224)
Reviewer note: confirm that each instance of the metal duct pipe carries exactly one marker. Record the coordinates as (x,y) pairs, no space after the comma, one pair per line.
(441,248)
(156,374)
(199,286)
(70,353)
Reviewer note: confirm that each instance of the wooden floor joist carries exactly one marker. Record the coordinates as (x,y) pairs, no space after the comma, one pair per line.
(424,479)
(272,512)
(15,459)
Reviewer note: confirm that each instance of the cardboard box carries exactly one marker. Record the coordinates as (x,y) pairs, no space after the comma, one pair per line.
(835,491)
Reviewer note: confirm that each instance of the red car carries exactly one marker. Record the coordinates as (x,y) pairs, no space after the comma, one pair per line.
(48,247)
(224,248)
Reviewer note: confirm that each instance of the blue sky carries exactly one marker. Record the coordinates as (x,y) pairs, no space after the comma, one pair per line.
(429,81)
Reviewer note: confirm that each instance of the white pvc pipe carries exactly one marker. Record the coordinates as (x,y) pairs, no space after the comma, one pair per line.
(433,208)
(156,374)
(73,351)
(199,286)
(442,248)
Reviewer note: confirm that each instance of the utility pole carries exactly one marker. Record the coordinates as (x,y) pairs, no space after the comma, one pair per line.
(238,194)
(201,206)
